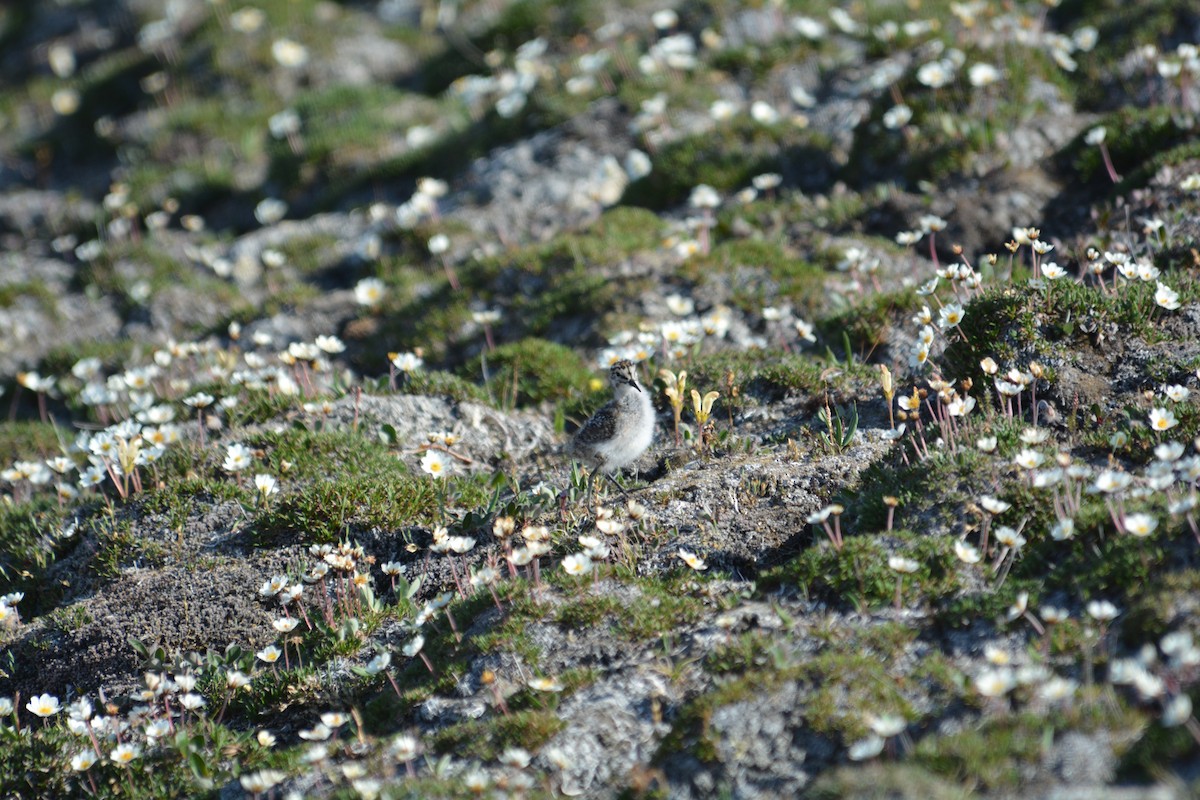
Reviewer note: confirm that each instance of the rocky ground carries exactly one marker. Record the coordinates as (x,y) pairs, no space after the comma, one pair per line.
(300,300)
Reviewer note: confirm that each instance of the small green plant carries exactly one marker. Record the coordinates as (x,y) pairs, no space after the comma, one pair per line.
(838,435)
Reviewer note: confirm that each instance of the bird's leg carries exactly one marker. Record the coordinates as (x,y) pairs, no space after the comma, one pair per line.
(591,485)
(620,488)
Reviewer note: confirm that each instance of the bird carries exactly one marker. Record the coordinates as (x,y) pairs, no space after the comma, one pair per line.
(617,434)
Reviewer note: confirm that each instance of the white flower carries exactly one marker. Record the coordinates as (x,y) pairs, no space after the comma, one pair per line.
(545,685)
(704,196)
(992,505)
(124,753)
(1063,530)
(1052,271)
(866,748)
(1140,525)
(692,560)
(330,344)
(936,74)
(809,28)
(284,124)
(237,458)
(983,74)
(664,19)
(270,211)
(721,110)
(764,113)
(435,463)
(887,725)
(966,553)
(43,705)
(1109,481)
(439,243)
(83,760)
(1028,459)
(804,330)
(903,565)
(949,314)
(65,102)
(414,646)
(289,53)
(369,292)
(265,484)
(1009,538)
(995,682)
(1176,392)
(1177,711)
(407,362)
(1162,419)
(1057,689)
(1102,610)
(1166,297)
(637,165)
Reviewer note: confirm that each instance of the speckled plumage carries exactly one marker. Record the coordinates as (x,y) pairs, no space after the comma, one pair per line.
(620,432)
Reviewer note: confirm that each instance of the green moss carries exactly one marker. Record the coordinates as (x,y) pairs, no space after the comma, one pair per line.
(486,739)
(38,292)
(539,289)
(995,755)
(858,574)
(726,158)
(1121,29)
(118,546)
(347,130)
(867,326)
(886,781)
(1133,136)
(845,685)
(112,354)
(996,325)
(791,278)
(340,481)
(257,406)
(322,454)
(331,509)
(768,376)
(950,126)
(179,497)
(532,371)
(70,618)
(517,23)
(749,651)
(653,607)
(690,731)
(1151,606)
(437,383)
(28,545)
(1159,749)
(31,440)
(990,603)
(587,612)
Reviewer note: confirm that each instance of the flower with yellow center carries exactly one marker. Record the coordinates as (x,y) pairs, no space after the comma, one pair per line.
(577,564)
(1162,419)
(124,754)
(692,560)
(1140,525)
(434,463)
(43,705)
